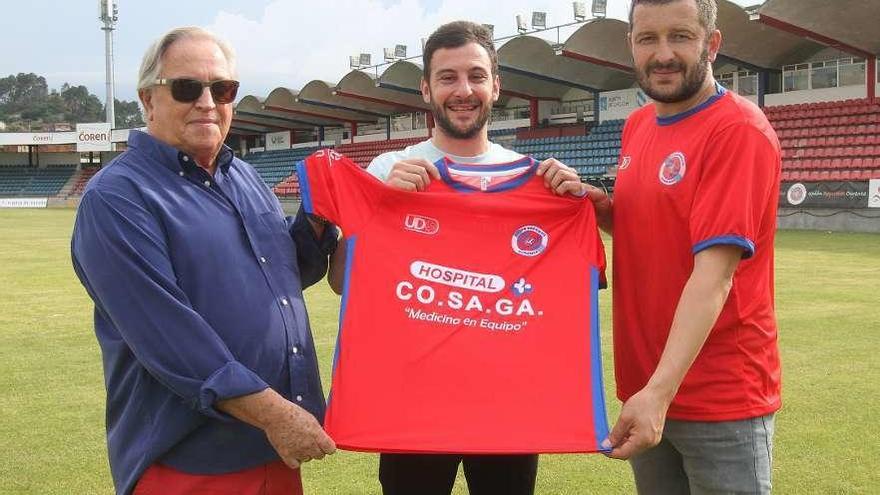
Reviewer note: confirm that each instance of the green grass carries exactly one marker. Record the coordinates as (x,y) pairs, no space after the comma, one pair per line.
(52,396)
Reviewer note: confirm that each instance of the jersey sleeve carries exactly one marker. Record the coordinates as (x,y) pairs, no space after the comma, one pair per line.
(732,195)
(590,240)
(337,189)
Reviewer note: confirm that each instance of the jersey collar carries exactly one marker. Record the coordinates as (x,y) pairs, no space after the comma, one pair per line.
(672,119)
(445,164)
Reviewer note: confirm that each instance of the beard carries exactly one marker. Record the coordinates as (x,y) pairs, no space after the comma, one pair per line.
(693,79)
(444,122)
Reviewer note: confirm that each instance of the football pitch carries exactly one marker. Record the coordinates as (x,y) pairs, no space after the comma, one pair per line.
(52,392)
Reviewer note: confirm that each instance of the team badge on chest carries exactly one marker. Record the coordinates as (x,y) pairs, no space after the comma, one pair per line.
(529,240)
(672,169)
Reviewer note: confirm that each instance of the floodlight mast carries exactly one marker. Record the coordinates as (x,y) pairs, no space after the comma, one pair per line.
(109,16)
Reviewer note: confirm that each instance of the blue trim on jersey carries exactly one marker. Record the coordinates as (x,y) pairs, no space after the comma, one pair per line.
(600,416)
(346,284)
(305,191)
(730,240)
(444,164)
(672,119)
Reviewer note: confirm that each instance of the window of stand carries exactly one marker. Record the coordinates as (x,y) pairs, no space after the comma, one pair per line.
(744,82)
(849,71)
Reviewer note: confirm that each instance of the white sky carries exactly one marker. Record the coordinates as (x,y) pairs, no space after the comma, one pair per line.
(279,42)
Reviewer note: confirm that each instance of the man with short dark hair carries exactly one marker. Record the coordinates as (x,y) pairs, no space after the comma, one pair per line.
(693,219)
(196,275)
(461,84)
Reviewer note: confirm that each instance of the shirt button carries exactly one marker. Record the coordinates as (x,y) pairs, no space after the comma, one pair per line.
(181,173)
(185,158)
(299,398)
(262,259)
(207,183)
(294,350)
(284,301)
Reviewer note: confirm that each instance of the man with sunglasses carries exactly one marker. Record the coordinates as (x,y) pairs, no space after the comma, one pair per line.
(196,275)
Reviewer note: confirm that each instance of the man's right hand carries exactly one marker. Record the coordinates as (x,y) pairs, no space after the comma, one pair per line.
(293,432)
(602,205)
(412,174)
(297,436)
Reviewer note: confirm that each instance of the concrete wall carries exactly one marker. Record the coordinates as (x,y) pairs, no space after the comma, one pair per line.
(862,220)
(816,95)
(58,159)
(13,159)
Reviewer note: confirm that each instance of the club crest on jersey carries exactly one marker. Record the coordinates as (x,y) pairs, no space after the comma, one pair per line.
(529,240)
(624,163)
(672,169)
(421,224)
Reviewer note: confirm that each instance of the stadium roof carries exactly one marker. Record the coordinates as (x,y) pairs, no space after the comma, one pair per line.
(850,25)
(251,112)
(601,43)
(594,58)
(530,65)
(361,85)
(755,45)
(286,101)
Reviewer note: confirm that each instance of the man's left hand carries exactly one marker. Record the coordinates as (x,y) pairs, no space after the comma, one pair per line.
(560,178)
(639,426)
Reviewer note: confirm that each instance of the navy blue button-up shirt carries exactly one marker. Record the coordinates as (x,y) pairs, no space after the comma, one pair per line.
(196,284)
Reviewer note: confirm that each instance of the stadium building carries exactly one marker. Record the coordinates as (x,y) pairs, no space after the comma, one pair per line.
(810,64)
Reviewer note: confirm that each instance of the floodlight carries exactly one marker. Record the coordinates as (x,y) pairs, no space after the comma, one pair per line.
(580,11)
(521,24)
(365,60)
(599,7)
(389,54)
(539,20)
(491,29)
(354,61)
(400,51)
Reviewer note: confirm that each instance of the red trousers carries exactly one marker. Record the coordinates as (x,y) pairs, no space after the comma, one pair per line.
(270,479)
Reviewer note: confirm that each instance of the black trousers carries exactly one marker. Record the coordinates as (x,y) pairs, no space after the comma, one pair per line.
(434,474)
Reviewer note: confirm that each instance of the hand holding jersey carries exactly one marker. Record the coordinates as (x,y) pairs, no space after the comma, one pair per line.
(412,174)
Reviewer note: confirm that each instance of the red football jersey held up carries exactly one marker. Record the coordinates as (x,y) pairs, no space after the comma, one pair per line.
(469,319)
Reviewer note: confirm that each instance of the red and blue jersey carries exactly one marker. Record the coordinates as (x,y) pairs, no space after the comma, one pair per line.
(707,177)
(469,319)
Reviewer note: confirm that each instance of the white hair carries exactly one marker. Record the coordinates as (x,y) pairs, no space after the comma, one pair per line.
(151,66)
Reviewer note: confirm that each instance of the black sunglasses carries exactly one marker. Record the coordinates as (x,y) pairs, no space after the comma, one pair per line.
(189,90)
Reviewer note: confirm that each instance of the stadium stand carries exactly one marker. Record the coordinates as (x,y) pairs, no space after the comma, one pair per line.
(80,179)
(363,153)
(34,182)
(591,155)
(276,165)
(828,141)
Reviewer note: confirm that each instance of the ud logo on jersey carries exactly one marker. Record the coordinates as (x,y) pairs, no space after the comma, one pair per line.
(624,163)
(529,240)
(421,224)
(672,169)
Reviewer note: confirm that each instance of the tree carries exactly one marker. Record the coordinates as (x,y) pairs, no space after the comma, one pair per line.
(128,114)
(22,92)
(80,105)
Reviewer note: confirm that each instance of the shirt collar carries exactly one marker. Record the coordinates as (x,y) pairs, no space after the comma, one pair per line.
(672,119)
(172,158)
